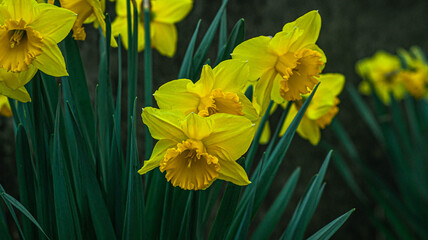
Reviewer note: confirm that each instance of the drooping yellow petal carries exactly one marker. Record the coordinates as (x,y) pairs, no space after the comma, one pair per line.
(231,136)
(164,38)
(5,107)
(231,171)
(261,91)
(309,129)
(310,23)
(248,108)
(264,139)
(173,95)
(19,94)
(54,22)
(17,80)
(163,124)
(51,61)
(256,52)
(197,127)
(282,41)
(231,75)
(170,11)
(158,154)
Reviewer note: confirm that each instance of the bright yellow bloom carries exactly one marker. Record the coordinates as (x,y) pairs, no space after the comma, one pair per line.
(220,90)
(415,76)
(194,151)
(164,14)
(29,33)
(321,111)
(287,64)
(5,107)
(87,11)
(382,70)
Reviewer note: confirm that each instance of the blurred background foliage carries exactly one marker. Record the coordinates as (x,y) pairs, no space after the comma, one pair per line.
(351,30)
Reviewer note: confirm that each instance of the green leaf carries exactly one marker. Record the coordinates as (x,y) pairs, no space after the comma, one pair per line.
(155,204)
(11,200)
(327,232)
(275,212)
(222,34)
(202,50)
(236,37)
(302,215)
(278,128)
(186,66)
(4,231)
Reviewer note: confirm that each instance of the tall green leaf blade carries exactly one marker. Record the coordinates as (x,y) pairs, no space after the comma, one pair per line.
(186,66)
(11,200)
(272,217)
(303,214)
(327,232)
(202,50)
(12,212)
(4,231)
(26,176)
(236,37)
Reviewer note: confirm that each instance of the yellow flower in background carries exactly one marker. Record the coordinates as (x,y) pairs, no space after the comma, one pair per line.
(164,14)
(29,33)
(382,70)
(194,151)
(87,11)
(321,111)
(415,76)
(287,64)
(5,107)
(220,90)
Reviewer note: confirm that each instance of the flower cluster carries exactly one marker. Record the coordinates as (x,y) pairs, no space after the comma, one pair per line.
(204,127)
(391,75)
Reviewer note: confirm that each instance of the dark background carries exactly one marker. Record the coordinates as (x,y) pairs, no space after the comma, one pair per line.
(351,30)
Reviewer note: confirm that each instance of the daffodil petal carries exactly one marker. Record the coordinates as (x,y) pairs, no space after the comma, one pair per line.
(54,22)
(256,52)
(231,171)
(5,107)
(21,9)
(19,94)
(231,75)
(17,80)
(197,127)
(309,129)
(262,91)
(51,60)
(158,154)
(164,38)
(283,40)
(171,11)
(275,94)
(173,95)
(204,86)
(264,139)
(248,108)
(120,26)
(310,23)
(163,124)
(231,136)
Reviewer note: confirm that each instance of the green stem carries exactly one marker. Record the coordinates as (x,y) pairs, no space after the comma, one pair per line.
(148,85)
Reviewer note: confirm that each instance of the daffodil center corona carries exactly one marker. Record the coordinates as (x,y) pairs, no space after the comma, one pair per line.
(220,102)
(189,166)
(17,36)
(298,71)
(20,44)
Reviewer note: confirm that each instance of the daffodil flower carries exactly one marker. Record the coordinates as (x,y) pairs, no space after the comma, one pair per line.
(382,71)
(87,11)
(194,151)
(219,90)
(164,14)
(415,76)
(287,64)
(5,107)
(29,33)
(321,111)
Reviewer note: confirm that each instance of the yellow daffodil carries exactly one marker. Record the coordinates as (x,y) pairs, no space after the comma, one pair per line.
(287,64)
(415,76)
(194,151)
(29,33)
(321,111)
(164,14)
(382,70)
(87,11)
(5,107)
(218,91)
